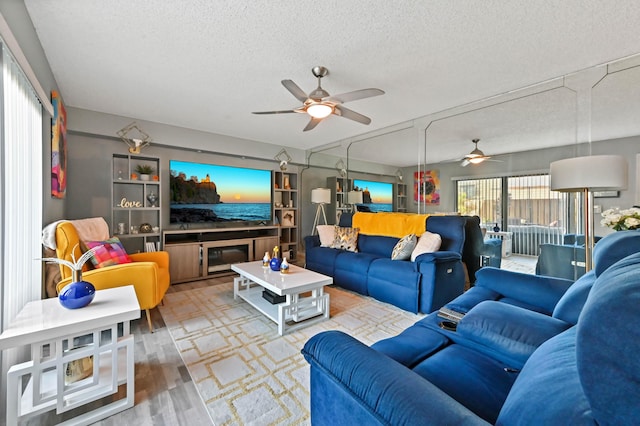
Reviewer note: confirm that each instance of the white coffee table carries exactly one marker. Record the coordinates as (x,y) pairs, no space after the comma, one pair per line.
(296,311)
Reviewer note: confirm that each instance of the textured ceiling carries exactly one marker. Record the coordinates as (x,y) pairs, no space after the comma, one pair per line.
(206,65)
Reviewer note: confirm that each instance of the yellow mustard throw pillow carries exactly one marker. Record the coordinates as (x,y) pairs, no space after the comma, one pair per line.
(390,224)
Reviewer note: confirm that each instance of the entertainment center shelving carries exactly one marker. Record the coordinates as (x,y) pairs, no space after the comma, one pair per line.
(131,202)
(199,253)
(341,186)
(400,197)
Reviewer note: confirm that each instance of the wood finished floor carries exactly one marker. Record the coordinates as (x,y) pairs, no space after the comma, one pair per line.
(164,391)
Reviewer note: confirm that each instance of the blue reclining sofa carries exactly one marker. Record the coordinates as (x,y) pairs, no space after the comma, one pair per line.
(423,285)
(529,350)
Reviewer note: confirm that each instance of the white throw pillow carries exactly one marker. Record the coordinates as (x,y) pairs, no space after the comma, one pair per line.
(326,234)
(404,247)
(427,243)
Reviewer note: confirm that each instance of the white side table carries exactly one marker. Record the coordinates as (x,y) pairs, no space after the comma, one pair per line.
(58,336)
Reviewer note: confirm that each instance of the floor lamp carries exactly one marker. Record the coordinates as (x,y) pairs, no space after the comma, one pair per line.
(587,174)
(354,198)
(320,196)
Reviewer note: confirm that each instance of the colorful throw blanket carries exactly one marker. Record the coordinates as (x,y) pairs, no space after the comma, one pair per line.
(390,224)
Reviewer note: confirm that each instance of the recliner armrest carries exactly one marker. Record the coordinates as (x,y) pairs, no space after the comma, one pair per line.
(439,256)
(375,383)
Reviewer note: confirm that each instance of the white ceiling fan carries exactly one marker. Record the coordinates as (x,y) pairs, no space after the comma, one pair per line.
(476,156)
(319,104)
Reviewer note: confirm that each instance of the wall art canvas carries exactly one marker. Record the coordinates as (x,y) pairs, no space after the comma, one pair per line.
(426,187)
(58,147)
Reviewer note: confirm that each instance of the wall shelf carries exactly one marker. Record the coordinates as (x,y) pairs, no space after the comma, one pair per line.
(130,204)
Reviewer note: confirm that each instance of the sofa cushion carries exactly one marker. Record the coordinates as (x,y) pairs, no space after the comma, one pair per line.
(607,344)
(548,388)
(107,253)
(427,243)
(404,247)
(377,245)
(327,234)
(345,239)
(476,381)
(513,332)
(351,270)
(395,282)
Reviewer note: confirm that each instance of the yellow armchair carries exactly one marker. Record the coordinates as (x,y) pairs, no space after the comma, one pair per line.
(148,273)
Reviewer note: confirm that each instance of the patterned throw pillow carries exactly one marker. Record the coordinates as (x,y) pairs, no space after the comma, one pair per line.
(404,247)
(111,253)
(427,243)
(326,234)
(346,238)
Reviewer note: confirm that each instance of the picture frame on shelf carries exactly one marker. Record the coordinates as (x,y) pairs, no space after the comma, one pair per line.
(288,218)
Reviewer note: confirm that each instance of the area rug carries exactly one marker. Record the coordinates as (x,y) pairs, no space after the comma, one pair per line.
(245,372)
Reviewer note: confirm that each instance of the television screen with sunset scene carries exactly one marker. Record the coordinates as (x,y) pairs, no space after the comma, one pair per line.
(203,193)
(377,196)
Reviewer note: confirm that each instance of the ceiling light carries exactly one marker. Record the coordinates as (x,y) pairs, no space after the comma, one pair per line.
(319,110)
(476,160)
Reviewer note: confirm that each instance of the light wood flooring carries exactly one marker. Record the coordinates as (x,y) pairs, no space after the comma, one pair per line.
(164,391)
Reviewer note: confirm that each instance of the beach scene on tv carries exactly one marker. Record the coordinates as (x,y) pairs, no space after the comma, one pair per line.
(215,193)
(376,196)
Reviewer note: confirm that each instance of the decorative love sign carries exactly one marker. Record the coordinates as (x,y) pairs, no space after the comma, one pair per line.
(129,204)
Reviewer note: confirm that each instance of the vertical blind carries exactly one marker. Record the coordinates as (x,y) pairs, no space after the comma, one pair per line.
(20,196)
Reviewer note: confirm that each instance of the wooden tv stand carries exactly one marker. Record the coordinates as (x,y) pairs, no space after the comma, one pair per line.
(200,253)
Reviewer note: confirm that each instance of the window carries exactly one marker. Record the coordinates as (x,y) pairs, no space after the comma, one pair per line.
(532,212)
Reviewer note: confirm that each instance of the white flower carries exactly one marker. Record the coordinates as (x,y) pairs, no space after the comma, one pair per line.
(621,219)
(632,222)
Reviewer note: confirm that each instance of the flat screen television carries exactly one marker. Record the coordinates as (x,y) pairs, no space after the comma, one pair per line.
(377,196)
(210,193)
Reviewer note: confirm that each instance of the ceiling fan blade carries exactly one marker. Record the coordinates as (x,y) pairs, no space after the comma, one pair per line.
(312,124)
(351,115)
(355,95)
(464,163)
(287,111)
(295,90)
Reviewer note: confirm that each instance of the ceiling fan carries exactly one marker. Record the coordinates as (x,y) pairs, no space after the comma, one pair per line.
(476,156)
(319,104)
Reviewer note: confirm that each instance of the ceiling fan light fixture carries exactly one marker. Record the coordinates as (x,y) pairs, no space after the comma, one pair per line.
(319,110)
(476,160)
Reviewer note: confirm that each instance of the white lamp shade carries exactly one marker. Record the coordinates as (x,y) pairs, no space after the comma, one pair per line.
(354,197)
(596,173)
(321,196)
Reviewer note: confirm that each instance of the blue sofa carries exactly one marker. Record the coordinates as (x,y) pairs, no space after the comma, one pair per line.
(530,350)
(424,285)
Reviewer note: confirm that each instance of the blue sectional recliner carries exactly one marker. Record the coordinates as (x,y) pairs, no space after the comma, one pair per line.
(530,350)
(421,286)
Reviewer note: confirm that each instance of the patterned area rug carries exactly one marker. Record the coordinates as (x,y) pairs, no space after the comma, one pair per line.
(244,371)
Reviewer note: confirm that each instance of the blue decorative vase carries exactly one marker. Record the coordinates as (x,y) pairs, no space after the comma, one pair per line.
(496,228)
(274,264)
(77,294)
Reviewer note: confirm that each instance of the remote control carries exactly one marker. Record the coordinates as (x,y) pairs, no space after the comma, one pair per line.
(450,314)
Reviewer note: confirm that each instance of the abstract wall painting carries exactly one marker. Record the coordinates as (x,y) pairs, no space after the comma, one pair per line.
(426,187)
(58,147)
